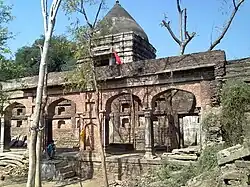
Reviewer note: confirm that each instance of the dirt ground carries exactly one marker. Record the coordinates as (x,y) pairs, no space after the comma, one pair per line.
(86,183)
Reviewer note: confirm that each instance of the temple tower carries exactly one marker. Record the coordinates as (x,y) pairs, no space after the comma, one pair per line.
(125,36)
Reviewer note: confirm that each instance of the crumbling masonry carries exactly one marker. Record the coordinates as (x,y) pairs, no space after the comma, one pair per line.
(147,104)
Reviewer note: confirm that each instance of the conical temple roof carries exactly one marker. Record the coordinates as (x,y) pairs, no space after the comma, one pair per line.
(122,21)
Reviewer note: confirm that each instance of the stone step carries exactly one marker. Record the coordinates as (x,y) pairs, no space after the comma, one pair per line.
(183,157)
(242,164)
(65,169)
(61,164)
(188,150)
(68,174)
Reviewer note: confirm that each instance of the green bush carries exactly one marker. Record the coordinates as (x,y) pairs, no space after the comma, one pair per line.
(235,99)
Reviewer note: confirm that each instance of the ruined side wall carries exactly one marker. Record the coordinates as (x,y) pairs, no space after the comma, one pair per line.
(238,69)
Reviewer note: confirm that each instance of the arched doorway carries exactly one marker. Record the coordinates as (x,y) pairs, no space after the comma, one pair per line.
(61,125)
(122,125)
(15,126)
(175,119)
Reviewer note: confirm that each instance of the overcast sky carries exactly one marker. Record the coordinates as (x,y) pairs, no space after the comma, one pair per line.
(205,17)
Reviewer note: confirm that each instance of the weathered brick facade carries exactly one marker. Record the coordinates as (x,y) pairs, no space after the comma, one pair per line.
(172,88)
(167,96)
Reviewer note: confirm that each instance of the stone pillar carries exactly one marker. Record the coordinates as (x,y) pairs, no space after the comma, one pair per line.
(148,134)
(2,135)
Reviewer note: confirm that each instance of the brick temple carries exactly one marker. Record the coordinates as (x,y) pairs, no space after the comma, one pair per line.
(146,104)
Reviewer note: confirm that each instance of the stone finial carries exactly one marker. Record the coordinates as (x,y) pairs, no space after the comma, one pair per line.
(117,2)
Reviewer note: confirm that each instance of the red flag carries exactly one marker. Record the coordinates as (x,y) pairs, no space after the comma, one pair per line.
(117,58)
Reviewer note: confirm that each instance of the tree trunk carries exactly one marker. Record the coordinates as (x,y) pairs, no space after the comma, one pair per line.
(38,182)
(182,49)
(103,157)
(38,108)
(95,84)
(32,158)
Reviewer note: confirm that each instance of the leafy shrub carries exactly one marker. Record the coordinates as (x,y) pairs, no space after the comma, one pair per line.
(235,99)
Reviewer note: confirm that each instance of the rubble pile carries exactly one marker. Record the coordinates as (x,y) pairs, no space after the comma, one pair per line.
(234,165)
(13,164)
(184,156)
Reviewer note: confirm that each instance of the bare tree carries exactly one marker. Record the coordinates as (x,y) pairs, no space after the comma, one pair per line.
(49,18)
(41,130)
(236,6)
(88,36)
(184,36)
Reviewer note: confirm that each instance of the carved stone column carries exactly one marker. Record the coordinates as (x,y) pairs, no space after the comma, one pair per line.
(2,135)
(149,153)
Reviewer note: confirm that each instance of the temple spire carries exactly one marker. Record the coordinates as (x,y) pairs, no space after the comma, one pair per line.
(117,2)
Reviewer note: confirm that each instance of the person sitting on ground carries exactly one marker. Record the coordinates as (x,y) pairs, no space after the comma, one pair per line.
(51,150)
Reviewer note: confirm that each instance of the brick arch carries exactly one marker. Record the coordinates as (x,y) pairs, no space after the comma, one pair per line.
(173,92)
(12,103)
(53,104)
(111,99)
(12,128)
(73,98)
(194,88)
(112,108)
(169,107)
(107,96)
(66,118)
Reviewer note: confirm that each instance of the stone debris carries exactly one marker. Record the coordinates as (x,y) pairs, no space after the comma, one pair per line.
(234,166)
(188,150)
(189,154)
(231,154)
(13,164)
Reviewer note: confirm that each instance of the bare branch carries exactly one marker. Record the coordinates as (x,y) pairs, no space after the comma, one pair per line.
(227,26)
(178,6)
(185,23)
(41,48)
(166,24)
(54,8)
(83,11)
(189,37)
(180,19)
(44,5)
(98,12)
(186,41)
(234,3)
(184,36)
